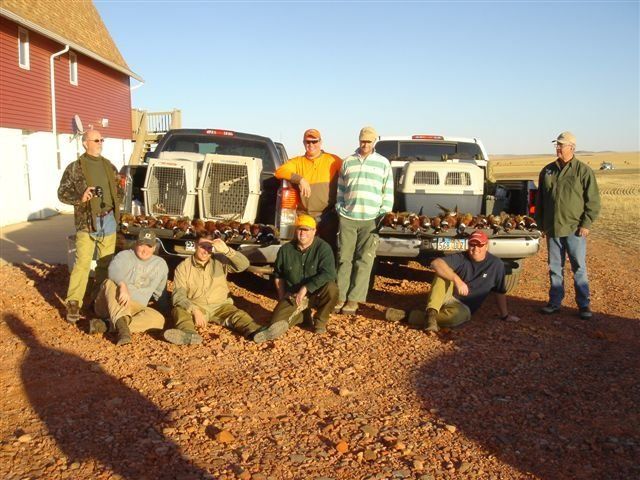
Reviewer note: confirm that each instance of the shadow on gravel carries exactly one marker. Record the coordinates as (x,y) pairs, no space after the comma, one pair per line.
(259,286)
(50,280)
(94,416)
(553,396)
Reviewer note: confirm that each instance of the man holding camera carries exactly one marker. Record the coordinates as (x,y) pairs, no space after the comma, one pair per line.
(91,185)
(201,295)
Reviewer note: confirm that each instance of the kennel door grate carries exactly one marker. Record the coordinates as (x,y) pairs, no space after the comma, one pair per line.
(167,191)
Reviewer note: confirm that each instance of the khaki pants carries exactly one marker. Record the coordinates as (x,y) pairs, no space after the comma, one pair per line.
(225,314)
(323,300)
(143,318)
(452,312)
(85,248)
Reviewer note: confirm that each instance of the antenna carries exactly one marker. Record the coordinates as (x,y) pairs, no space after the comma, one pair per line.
(77,125)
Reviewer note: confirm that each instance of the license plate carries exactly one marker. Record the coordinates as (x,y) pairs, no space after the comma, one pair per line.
(451,244)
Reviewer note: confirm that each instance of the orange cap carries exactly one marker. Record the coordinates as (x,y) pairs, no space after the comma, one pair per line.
(312,133)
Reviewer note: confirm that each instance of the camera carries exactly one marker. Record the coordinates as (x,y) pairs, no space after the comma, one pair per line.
(98,191)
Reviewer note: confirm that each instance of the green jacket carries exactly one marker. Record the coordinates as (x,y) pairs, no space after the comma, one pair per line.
(73,184)
(568,198)
(313,268)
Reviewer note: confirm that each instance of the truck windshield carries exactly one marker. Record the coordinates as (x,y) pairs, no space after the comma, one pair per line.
(223,146)
(428,150)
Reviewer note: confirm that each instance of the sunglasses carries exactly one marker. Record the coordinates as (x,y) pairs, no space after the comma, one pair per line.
(476,245)
(311,142)
(97,140)
(365,141)
(207,247)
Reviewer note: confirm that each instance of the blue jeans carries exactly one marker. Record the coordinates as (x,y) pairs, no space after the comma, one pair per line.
(559,248)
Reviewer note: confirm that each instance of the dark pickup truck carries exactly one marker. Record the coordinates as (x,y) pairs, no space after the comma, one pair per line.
(224,176)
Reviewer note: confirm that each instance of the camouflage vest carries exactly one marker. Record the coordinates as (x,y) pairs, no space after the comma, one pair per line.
(74,183)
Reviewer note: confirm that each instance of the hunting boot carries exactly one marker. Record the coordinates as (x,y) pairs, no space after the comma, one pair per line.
(97,325)
(432,322)
(73,311)
(417,319)
(122,330)
(395,315)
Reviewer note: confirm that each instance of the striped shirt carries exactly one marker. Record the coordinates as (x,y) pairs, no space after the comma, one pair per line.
(365,187)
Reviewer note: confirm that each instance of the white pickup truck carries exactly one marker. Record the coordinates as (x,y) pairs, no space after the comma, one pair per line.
(433,173)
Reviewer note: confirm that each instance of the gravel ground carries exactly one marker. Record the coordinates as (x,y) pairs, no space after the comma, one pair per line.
(548,397)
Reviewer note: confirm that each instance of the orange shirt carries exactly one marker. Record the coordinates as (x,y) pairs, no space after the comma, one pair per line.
(322,175)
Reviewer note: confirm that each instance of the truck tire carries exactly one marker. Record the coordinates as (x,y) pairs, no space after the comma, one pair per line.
(512,275)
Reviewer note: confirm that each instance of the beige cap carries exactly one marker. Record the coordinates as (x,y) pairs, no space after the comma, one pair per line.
(368,134)
(565,138)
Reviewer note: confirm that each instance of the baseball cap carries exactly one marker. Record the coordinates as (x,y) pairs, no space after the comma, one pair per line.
(565,138)
(305,221)
(312,133)
(146,237)
(368,134)
(478,238)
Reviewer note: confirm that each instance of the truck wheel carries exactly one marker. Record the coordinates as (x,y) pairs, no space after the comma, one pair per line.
(512,275)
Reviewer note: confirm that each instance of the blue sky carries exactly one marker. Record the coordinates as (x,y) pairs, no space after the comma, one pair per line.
(514,74)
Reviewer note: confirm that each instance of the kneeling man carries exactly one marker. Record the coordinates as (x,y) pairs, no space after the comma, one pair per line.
(135,276)
(460,286)
(305,277)
(201,295)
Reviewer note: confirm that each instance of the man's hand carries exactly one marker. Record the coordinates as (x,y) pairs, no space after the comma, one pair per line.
(219,246)
(583,232)
(461,287)
(198,318)
(300,295)
(123,294)
(305,188)
(88,194)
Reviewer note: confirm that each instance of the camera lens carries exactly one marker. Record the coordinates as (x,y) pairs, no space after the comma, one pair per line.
(98,192)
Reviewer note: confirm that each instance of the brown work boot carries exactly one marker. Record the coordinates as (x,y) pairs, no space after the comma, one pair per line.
(395,315)
(122,329)
(97,325)
(432,322)
(73,311)
(350,308)
(417,319)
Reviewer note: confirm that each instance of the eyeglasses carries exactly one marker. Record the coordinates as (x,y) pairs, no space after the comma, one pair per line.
(311,142)
(97,140)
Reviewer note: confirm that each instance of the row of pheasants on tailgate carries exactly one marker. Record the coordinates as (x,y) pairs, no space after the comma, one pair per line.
(454,220)
(184,227)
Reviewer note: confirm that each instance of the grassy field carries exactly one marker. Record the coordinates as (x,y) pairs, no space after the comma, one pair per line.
(619,188)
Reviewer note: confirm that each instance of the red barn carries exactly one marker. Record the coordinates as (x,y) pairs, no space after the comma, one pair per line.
(63,43)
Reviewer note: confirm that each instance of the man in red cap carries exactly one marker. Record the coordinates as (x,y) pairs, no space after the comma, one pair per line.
(461,284)
(316,175)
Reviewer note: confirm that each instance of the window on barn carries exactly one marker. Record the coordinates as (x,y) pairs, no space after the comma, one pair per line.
(23,48)
(73,68)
